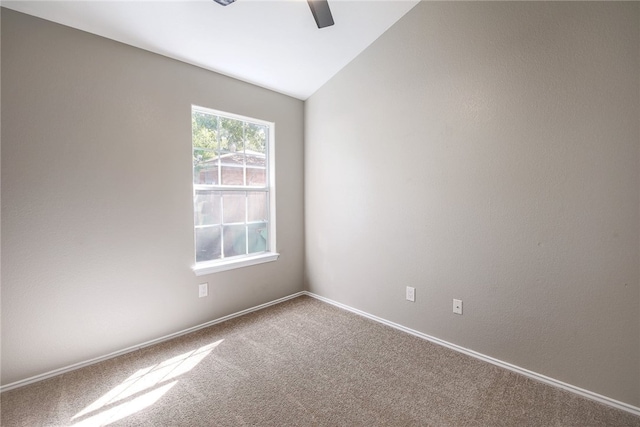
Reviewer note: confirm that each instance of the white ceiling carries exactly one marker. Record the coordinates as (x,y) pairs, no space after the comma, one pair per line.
(273,44)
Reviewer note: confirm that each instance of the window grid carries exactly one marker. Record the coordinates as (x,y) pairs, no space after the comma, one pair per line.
(227,228)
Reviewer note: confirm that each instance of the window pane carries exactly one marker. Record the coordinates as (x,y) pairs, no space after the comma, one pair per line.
(232,156)
(232,175)
(256,176)
(205,167)
(207,244)
(256,138)
(207,207)
(257,201)
(257,237)
(204,133)
(234,207)
(231,135)
(234,240)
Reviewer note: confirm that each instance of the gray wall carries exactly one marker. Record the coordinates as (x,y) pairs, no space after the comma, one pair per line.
(489,152)
(97,220)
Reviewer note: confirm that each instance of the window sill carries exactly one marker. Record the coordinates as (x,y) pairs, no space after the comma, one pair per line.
(230,264)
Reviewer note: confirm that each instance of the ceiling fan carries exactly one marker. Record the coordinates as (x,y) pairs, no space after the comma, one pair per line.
(319,9)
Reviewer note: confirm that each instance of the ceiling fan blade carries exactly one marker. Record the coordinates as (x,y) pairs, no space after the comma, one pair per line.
(321,12)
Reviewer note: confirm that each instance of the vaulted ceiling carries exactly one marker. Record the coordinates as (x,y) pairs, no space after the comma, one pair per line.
(273,44)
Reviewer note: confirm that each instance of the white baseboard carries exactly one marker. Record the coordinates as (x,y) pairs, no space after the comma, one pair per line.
(75,366)
(534,375)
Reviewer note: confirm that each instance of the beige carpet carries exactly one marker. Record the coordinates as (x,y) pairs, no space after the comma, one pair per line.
(300,363)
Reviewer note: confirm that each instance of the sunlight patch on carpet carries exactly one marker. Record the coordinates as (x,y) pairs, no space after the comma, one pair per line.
(142,389)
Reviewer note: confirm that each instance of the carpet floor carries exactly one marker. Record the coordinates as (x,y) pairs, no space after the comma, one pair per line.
(299,363)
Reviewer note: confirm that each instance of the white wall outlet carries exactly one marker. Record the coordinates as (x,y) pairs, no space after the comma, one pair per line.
(457,306)
(203,290)
(411,293)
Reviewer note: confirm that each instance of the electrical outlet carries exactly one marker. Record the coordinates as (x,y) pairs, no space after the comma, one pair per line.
(411,293)
(457,306)
(203,290)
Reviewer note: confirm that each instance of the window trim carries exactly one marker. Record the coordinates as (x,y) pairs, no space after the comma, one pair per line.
(271,254)
(231,263)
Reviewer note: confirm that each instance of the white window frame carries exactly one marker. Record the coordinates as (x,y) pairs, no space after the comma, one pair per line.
(223,264)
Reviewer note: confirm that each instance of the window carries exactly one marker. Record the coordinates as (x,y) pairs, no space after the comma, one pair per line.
(233,193)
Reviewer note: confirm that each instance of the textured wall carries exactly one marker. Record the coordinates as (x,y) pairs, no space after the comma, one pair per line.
(489,152)
(97,220)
